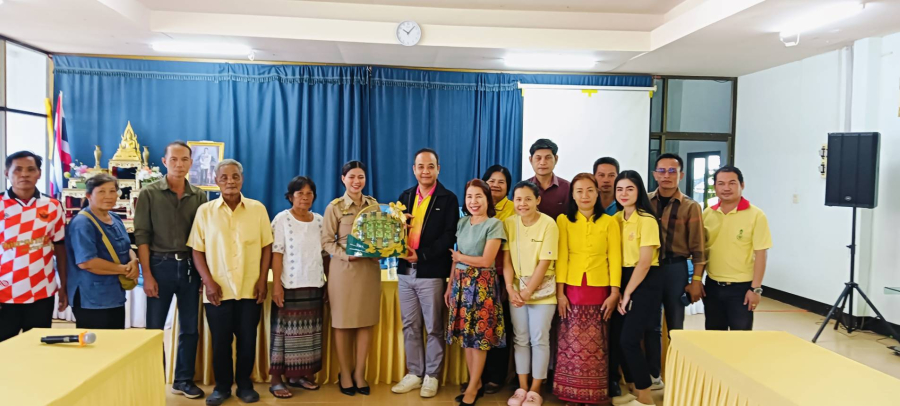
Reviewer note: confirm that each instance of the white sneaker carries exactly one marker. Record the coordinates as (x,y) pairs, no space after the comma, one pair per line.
(429,387)
(656,383)
(407,384)
(624,399)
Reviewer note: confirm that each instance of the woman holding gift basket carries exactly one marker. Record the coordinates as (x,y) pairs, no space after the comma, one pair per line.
(353,282)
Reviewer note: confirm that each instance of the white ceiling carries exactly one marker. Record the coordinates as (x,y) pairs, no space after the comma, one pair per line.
(690,37)
(593,6)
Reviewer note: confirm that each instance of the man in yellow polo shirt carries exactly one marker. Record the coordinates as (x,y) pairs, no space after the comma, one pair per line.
(737,239)
(232,248)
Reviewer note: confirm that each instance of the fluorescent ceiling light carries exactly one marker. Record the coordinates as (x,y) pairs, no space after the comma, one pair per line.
(821,17)
(202,48)
(550,61)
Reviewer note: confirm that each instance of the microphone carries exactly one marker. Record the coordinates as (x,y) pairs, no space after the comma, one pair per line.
(81,339)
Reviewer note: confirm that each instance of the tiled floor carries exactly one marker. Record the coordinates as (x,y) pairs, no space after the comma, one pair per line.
(867,348)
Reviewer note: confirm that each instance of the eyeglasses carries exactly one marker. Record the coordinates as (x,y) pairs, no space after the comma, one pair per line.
(671,171)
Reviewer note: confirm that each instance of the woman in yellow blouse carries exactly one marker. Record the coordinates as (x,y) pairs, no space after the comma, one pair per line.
(588,272)
(529,254)
(499,179)
(642,284)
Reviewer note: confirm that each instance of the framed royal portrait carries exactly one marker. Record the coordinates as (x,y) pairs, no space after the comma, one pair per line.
(206,155)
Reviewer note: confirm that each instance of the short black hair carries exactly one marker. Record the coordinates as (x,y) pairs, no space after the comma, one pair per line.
(498,168)
(177,143)
(297,184)
(729,169)
(527,185)
(669,155)
(607,160)
(543,143)
(23,154)
(429,151)
(353,165)
(99,180)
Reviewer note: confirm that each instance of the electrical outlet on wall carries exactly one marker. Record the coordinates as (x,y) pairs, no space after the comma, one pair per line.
(796,199)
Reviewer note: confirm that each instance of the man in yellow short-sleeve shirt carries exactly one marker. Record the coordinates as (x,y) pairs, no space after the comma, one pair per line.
(232,248)
(737,240)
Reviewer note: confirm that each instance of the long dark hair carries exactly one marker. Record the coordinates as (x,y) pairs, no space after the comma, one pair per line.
(643,206)
(491,211)
(572,208)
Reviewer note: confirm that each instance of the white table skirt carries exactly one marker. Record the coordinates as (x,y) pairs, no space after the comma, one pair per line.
(135,310)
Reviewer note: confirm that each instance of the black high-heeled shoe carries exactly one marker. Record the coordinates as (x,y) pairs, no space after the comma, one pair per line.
(351,391)
(362,390)
(461,403)
(478,395)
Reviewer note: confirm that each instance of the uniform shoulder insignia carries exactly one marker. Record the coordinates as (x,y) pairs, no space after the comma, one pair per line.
(335,201)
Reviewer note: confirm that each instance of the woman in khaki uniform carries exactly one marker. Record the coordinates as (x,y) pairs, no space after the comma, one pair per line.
(354,284)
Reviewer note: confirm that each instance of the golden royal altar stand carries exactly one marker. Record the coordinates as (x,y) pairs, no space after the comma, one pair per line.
(124,165)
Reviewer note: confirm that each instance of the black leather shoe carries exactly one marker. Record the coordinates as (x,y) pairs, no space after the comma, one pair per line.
(614,390)
(248,395)
(217,398)
(351,391)
(491,388)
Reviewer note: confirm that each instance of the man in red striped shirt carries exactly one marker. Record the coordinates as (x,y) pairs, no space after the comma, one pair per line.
(32,228)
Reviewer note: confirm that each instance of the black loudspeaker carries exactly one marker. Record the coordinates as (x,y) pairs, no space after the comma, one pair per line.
(852,176)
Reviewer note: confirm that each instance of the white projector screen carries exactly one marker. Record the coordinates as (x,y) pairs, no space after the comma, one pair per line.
(586,126)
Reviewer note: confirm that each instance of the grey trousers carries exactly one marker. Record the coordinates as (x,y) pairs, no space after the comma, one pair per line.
(531,324)
(422,305)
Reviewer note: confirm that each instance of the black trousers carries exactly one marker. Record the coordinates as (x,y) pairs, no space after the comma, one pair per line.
(100,319)
(230,319)
(652,339)
(724,306)
(640,320)
(496,366)
(25,316)
(675,278)
(177,278)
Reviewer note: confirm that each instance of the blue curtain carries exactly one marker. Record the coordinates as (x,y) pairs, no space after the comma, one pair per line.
(281,121)
(278,121)
(473,120)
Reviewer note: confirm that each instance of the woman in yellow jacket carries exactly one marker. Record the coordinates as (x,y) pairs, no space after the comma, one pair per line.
(588,273)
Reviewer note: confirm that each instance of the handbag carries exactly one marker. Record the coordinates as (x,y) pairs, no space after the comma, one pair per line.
(547,287)
(127,284)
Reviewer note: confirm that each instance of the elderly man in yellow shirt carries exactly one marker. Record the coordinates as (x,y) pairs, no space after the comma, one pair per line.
(232,246)
(738,237)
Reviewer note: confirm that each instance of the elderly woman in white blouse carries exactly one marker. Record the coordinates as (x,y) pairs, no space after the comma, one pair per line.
(298,293)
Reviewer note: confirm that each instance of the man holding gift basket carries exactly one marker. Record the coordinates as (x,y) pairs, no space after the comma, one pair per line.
(422,273)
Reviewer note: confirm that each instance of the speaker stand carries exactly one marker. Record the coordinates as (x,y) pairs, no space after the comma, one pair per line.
(849,287)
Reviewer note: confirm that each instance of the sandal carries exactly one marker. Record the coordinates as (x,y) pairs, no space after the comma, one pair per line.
(303,383)
(280,391)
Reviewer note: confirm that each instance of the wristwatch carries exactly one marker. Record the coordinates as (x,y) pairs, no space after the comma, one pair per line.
(758,290)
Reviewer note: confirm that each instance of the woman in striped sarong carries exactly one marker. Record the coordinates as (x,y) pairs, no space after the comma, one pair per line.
(298,293)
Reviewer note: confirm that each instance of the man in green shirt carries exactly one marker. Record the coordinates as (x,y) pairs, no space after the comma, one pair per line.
(163,218)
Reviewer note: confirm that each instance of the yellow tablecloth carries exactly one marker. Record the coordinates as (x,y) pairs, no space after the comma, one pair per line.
(768,368)
(121,368)
(387,360)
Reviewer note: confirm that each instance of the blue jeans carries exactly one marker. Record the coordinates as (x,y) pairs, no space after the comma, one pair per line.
(177,278)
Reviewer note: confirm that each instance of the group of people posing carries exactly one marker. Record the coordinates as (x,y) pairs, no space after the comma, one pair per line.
(573,275)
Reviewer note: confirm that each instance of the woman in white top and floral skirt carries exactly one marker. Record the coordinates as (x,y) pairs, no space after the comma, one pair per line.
(298,293)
